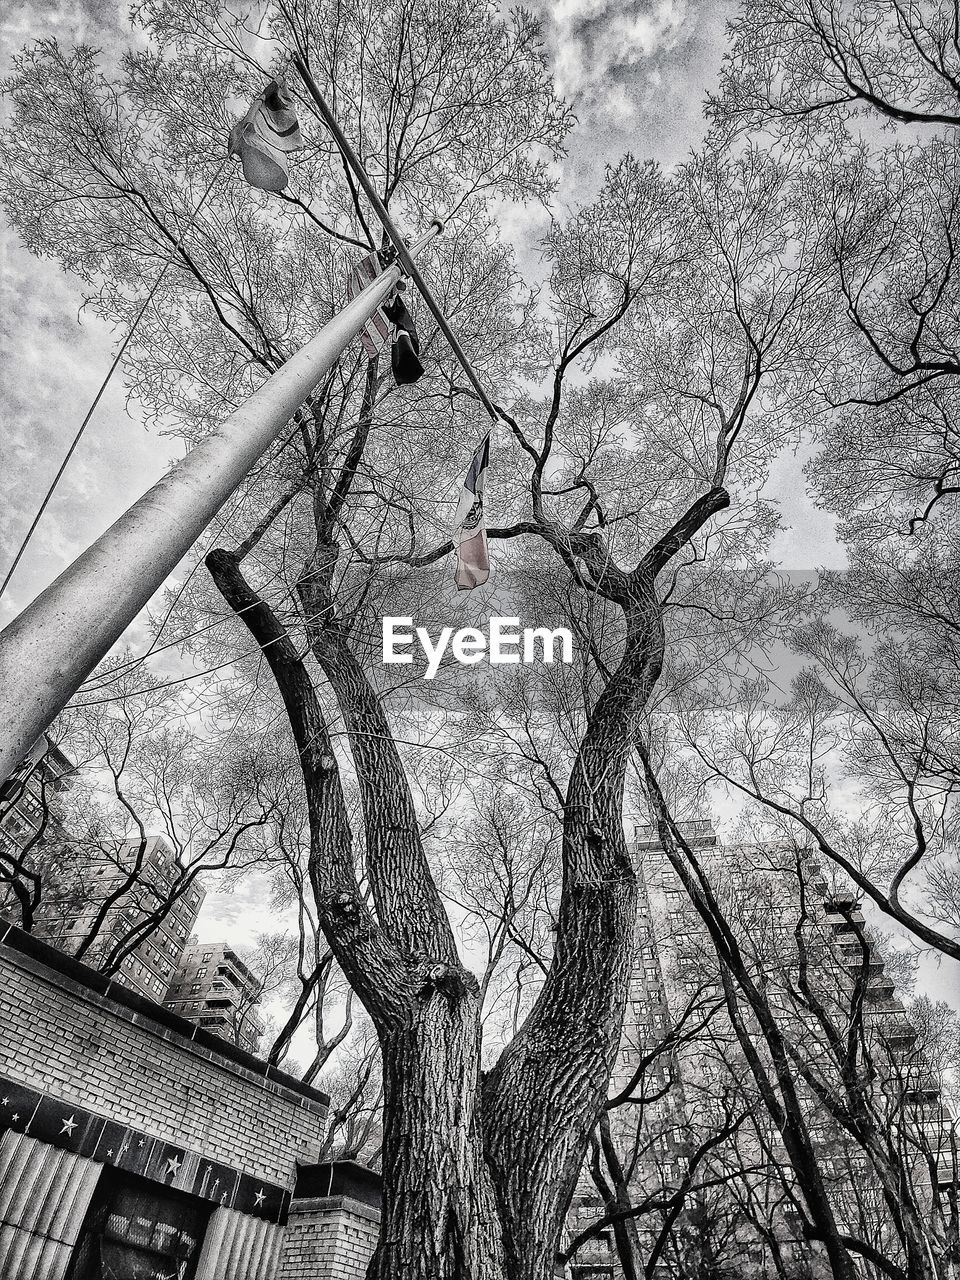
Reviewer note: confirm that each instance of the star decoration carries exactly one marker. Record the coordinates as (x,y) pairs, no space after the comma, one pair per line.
(110,1153)
(69,1124)
(259,1198)
(15,1118)
(4,1101)
(173,1166)
(141,1142)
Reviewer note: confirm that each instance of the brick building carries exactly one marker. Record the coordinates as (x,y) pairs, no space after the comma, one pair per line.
(674,966)
(132,1142)
(214,988)
(23,796)
(119,892)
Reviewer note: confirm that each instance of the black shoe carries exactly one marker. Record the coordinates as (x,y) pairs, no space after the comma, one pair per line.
(406,363)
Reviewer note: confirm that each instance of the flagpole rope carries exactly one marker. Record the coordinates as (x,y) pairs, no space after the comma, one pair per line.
(106,382)
(409,266)
(353,164)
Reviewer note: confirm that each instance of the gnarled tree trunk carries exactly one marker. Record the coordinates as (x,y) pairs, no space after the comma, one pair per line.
(478,1175)
(543,1097)
(440,1215)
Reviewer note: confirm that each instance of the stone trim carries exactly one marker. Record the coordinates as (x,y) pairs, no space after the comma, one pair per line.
(331,1204)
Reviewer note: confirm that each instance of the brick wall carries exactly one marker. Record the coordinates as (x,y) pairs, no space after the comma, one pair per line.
(106,1052)
(328,1238)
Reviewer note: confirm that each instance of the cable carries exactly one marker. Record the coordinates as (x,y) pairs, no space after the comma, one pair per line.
(399,244)
(103,386)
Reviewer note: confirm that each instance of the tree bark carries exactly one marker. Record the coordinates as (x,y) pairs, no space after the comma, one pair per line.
(544,1095)
(440,1214)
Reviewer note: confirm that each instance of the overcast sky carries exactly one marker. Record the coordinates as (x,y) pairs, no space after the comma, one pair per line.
(635,74)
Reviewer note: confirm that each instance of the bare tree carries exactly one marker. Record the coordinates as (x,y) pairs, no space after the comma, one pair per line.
(89,866)
(638,490)
(811,62)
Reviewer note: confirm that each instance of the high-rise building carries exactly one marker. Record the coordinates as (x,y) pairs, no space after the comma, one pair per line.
(675,971)
(124,905)
(125,902)
(214,988)
(24,796)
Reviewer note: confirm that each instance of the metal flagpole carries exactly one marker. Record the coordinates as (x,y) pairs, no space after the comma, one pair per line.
(403,252)
(52,646)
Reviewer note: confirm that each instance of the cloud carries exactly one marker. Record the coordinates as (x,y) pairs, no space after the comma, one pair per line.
(807,539)
(96,22)
(241,912)
(636,74)
(598,42)
(44,394)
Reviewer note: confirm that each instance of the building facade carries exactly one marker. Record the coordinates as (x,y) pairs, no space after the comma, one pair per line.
(24,799)
(125,904)
(132,1143)
(215,989)
(774,896)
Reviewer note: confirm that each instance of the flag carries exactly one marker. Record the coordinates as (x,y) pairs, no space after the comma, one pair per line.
(375,333)
(470,525)
(265,136)
(393,317)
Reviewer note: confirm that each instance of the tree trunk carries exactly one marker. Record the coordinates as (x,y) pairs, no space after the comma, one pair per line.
(440,1216)
(899,1199)
(544,1095)
(782,1102)
(625,1232)
(477,1178)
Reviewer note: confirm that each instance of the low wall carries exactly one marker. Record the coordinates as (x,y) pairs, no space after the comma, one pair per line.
(101,1089)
